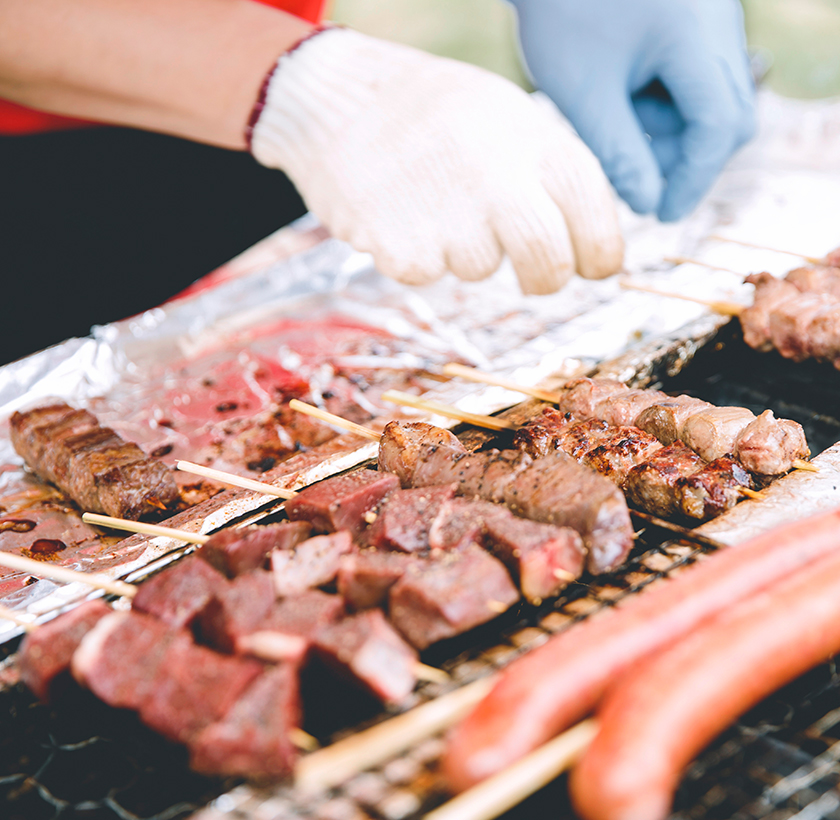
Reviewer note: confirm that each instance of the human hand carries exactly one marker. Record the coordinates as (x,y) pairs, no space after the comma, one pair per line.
(660,90)
(434,165)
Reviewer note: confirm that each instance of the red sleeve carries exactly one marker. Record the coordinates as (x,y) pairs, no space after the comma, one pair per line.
(16,119)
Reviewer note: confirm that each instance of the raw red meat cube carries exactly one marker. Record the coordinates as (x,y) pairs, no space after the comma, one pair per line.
(234,551)
(311,564)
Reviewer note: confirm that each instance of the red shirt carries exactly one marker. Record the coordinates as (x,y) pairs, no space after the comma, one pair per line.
(16,119)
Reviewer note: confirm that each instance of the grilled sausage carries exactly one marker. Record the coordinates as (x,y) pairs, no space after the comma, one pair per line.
(549,689)
(656,719)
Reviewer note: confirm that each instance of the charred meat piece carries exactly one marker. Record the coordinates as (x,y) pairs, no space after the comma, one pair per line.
(816,280)
(652,486)
(404,520)
(341,502)
(791,320)
(713,433)
(234,551)
(401,442)
(665,419)
(712,490)
(581,396)
(542,558)
(92,464)
(178,594)
(539,436)
(366,648)
(45,654)
(769,446)
(437,599)
(365,577)
(312,563)
(620,452)
(252,739)
(770,294)
(557,490)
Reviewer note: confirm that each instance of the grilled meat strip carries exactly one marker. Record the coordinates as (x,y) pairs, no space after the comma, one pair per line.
(92,464)
(652,485)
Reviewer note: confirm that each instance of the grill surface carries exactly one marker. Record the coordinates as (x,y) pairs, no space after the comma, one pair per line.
(82,760)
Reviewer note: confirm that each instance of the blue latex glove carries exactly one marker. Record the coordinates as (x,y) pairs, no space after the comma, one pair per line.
(660,90)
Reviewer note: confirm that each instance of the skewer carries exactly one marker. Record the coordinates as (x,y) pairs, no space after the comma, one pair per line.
(497,794)
(335,764)
(145,529)
(70,576)
(814,260)
(329,418)
(686,260)
(235,480)
(10,615)
(440,409)
(725,308)
(480,376)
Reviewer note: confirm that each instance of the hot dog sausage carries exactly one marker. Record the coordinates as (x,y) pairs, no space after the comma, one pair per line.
(553,686)
(656,719)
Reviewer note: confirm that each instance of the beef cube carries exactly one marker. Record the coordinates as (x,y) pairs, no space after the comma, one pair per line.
(403,522)
(45,653)
(366,647)
(179,593)
(401,442)
(234,551)
(237,609)
(120,659)
(665,419)
(312,563)
(252,739)
(287,631)
(365,577)
(340,503)
(652,485)
(194,687)
(457,524)
(614,457)
(712,490)
(445,596)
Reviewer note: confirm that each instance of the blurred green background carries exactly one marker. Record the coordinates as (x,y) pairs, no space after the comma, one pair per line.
(799,38)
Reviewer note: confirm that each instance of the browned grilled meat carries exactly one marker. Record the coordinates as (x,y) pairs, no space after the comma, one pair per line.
(652,485)
(621,452)
(666,419)
(770,293)
(92,464)
(819,279)
(712,433)
(581,396)
(769,446)
(790,323)
(540,435)
(712,490)
(400,444)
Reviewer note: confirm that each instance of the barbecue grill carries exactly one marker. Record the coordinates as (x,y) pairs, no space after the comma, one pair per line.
(81,759)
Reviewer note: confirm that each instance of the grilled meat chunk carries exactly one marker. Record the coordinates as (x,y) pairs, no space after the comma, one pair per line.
(582,396)
(621,452)
(622,409)
(311,564)
(770,294)
(713,433)
(769,446)
(540,435)
(712,490)
(404,520)
(92,464)
(401,442)
(652,486)
(824,334)
(234,551)
(365,577)
(666,419)
(819,279)
(791,320)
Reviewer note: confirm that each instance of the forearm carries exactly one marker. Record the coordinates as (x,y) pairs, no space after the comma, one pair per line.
(187,67)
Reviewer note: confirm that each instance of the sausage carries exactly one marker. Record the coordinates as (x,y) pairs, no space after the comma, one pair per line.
(656,719)
(552,687)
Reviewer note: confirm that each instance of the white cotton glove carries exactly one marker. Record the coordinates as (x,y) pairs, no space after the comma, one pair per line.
(433,165)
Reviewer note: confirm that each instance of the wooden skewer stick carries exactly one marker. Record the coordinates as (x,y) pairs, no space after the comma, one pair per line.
(756,495)
(10,615)
(474,375)
(497,794)
(70,576)
(440,409)
(685,260)
(234,480)
(330,418)
(725,308)
(814,260)
(337,763)
(145,529)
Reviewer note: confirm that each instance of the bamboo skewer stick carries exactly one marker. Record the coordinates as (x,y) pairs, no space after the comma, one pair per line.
(497,794)
(234,480)
(814,260)
(330,418)
(686,260)
(70,576)
(447,410)
(725,308)
(337,763)
(144,529)
(474,375)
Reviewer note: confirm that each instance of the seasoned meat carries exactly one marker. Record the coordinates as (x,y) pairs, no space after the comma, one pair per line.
(312,563)
(770,293)
(367,649)
(581,396)
(619,453)
(713,433)
(789,323)
(581,437)
(92,464)
(622,409)
(401,442)
(823,334)
(365,577)
(539,436)
(234,551)
(816,280)
(341,502)
(666,419)
(652,486)
(769,446)
(404,520)
(557,490)
(712,490)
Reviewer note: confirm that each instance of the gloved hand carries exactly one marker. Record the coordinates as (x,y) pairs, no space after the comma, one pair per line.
(676,70)
(434,165)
